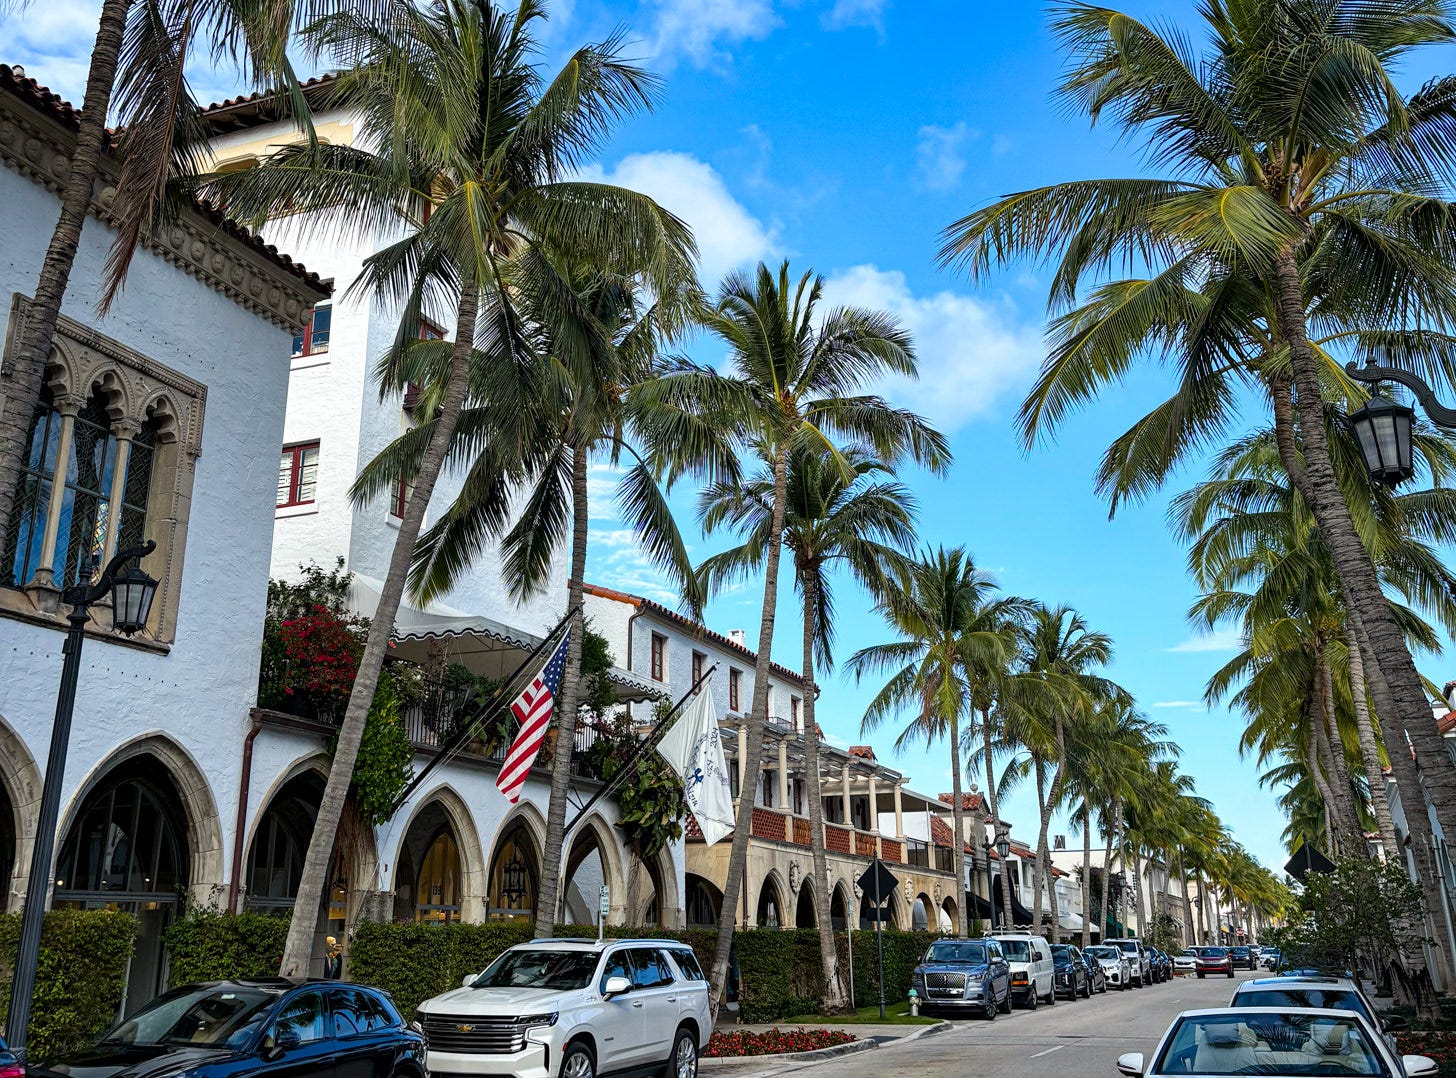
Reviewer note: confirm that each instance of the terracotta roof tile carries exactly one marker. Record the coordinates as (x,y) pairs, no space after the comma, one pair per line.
(1446,723)
(864,752)
(44,100)
(969,802)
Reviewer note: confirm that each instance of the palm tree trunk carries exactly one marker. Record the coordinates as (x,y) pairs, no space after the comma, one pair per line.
(1317,771)
(1086,874)
(553,855)
(757,722)
(1187,900)
(1204,913)
(1107,868)
(1137,890)
(1340,775)
(957,819)
(1053,797)
(995,818)
(21,389)
(834,991)
(298,950)
(1038,867)
(1369,748)
(1316,481)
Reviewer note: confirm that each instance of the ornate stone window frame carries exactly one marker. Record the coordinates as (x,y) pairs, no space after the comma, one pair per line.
(137,390)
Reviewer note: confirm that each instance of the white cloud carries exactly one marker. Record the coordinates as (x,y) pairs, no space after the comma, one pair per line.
(701,29)
(847,13)
(1178,703)
(971,351)
(728,235)
(1222,640)
(940,154)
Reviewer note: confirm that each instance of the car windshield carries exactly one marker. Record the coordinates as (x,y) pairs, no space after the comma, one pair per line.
(1016,950)
(1215,952)
(972,953)
(1128,946)
(537,967)
(1295,1044)
(1105,952)
(215,1016)
(1326,999)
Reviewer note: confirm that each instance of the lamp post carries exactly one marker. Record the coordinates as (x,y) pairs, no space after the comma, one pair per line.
(1003,850)
(1383,429)
(132,592)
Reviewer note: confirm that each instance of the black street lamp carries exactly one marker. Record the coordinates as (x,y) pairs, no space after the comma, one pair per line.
(1383,429)
(132,592)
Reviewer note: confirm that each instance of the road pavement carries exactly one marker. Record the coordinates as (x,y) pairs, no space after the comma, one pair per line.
(1080,1039)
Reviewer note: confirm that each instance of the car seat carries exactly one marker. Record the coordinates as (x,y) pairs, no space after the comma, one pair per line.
(1224,1049)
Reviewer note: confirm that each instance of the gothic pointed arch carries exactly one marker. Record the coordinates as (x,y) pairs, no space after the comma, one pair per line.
(440,870)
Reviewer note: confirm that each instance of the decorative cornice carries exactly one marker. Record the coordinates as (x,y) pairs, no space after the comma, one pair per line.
(218,253)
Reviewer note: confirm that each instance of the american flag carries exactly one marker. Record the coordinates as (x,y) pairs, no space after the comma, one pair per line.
(532,710)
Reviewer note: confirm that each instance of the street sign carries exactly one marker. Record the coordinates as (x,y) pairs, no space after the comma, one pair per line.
(605,905)
(1307,859)
(878,882)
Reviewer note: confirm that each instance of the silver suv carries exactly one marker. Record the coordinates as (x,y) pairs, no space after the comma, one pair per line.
(573,1009)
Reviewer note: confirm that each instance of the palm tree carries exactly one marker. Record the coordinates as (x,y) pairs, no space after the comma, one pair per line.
(1055,688)
(795,379)
(1304,188)
(859,522)
(953,633)
(541,424)
(461,121)
(136,79)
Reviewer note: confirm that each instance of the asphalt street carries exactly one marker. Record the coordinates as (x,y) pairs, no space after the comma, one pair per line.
(1080,1039)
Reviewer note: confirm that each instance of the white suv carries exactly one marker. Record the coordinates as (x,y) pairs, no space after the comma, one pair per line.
(573,1009)
(1138,958)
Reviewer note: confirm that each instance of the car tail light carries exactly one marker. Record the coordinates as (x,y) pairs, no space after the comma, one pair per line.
(11,1070)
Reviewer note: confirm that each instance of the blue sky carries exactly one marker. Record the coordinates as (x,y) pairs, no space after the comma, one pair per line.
(843,135)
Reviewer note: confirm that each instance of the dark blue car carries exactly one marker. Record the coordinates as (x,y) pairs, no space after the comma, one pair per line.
(261,1029)
(964,976)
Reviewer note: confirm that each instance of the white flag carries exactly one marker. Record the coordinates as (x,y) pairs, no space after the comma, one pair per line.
(695,751)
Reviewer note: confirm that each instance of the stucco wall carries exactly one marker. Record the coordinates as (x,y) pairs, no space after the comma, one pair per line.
(200,693)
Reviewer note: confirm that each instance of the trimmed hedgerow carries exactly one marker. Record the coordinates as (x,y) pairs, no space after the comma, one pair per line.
(413,962)
(79,982)
(207,945)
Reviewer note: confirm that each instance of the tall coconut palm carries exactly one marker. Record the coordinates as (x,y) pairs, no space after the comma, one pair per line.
(859,522)
(136,81)
(953,633)
(456,116)
(1301,185)
(1057,686)
(541,424)
(796,378)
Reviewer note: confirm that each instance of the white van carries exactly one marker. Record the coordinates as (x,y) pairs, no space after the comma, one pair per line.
(1032,969)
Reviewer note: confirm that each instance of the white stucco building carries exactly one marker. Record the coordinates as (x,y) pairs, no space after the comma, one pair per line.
(155,422)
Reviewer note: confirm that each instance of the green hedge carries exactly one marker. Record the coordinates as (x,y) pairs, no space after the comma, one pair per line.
(413,962)
(211,946)
(80,979)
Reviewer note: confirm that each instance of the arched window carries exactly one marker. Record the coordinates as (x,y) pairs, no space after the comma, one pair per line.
(703,900)
(128,841)
(514,877)
(438,890)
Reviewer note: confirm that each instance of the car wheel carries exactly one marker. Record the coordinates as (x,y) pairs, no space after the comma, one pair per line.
(683,1063)
(1005,1005)
(1031,1001)
(1088,993)
(989,1008)
(1052,995)
(578,1062)
(1201,975)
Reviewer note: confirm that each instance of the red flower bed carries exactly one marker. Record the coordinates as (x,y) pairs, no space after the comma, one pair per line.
(774,1042)
(1440,1045)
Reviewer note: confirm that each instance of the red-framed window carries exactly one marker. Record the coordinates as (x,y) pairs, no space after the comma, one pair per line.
(659,656)
(400,498)
(735,680)
(315,335)
(794,711)
(428,332)
(298,474)
(699,661)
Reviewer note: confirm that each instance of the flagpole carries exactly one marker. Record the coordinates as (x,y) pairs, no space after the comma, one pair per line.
(463,732)
(644,746)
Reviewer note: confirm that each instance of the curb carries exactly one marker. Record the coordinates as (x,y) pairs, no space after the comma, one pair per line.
(729,1064)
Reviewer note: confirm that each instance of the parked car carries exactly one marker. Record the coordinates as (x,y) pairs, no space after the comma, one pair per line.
(1215,960)
(1137,957)
(10,1065)
(573,1008)
(965,975)
(264,1029)
(1270,958)
(1096,978)
(1324,993)
(1187,962)
(1032,970)
(1243,958)
(1162,966)
(1071,977)
(1115,965)
(1271,1041)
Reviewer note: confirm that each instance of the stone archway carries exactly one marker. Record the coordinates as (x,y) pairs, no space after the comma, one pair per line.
(514,879)
(439,866)
(840,902)
(772,910)
(804,916)
(949,915)
(20,787)
(593,859)
(921,913)
(704,902)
